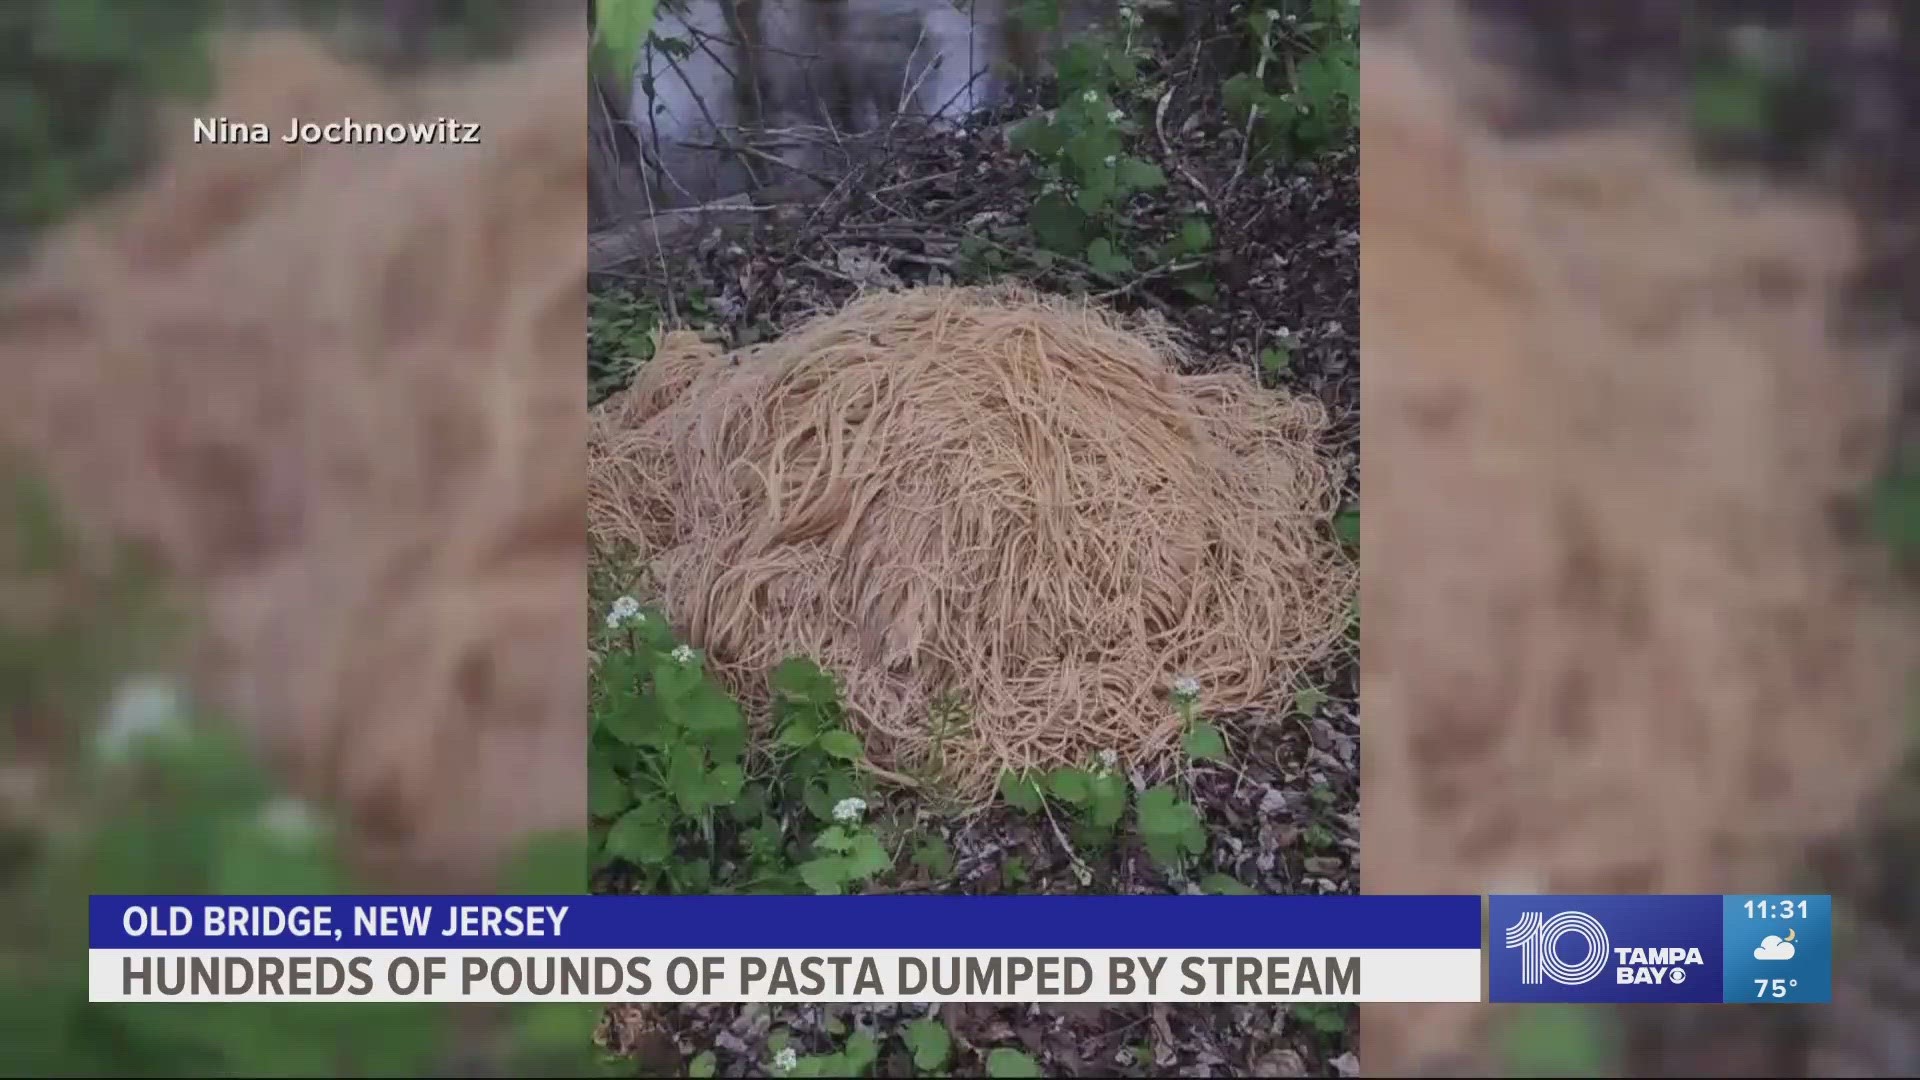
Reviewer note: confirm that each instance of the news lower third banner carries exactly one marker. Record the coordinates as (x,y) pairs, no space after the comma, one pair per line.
(911,949)
(1775,949)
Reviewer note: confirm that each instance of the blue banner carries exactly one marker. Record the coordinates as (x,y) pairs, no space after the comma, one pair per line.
(1730,949)
(785,922)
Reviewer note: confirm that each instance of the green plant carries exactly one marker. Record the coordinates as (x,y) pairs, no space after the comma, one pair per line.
(1302,94)
(669,786)
(1325,1021)
(160,797)
(1096,797)
(1087,173)
(623,330)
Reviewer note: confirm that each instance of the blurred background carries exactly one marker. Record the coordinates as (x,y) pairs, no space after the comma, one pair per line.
(1638,303)
(291,534)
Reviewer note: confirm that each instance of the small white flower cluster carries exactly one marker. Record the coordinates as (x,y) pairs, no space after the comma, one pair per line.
(786,1061)
(1112,160)
(1128,15)
(625,610)
(142,709)
(683,654)
(849,810)
(1109,760)
(290,821)
(1114,116)
(1186,690)
(1091,97)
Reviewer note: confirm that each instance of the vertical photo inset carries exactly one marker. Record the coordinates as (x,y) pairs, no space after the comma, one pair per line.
(973,488)
(1638,314)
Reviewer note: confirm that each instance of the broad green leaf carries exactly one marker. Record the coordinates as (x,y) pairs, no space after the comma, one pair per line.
(1204,742)
(930,1043)
(844,745)
(826,876)
(1107,799)
(1005,1063)
(1058,225)
(1196,235)
(639,837)
(1020,791)
(1070,786)
(724,784)
(1137,174)
(868,856)
(1307,701)
(1162,814)
(607,794)
(703,1066)
(799,734)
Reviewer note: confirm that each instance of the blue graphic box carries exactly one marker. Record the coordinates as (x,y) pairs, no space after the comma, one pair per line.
(1625,949)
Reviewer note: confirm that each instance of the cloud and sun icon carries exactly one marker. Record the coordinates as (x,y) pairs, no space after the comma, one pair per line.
(1775,947)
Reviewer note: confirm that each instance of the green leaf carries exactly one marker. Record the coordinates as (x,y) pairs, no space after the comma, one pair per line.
(607,794)
(930,1042)
(1137,174)
(1204,742)
(1275,359)
(1107,799)
(1037,137)
(1020,791)
(842,744)
(858,1055)
(1224,885)
(1307,701)
(1103,258)
(868,857)
(1161,813)
(1070,786)
(1196,235)
(934,856)
(1005,1063)
(1058,225)
(724,784)
(687,779)
(675,681)
(799,734)
(640,837)
(703,1066)
(826,875)
(801,681)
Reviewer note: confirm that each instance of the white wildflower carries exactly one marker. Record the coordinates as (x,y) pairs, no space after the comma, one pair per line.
(683,654)
(142,709)
(1112,160)
(1091,97)
(1291,17)
(1109,760)
(1116,115)
(849,810)
(786,1061)
(1186,689)
(624,610)
(289,820)
(1127,13)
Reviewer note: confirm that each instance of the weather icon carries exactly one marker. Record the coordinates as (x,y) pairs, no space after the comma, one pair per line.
(1775,947)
